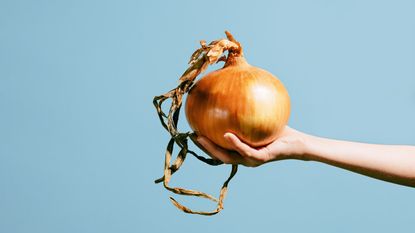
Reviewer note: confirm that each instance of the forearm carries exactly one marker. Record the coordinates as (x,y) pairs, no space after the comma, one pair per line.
(393,163)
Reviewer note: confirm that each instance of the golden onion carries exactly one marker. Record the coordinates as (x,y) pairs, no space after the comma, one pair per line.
(239,98)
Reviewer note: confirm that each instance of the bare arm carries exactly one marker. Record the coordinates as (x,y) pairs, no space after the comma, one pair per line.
(392,163)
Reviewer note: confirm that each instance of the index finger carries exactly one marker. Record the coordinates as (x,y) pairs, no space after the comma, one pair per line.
(242,148)
(218,152)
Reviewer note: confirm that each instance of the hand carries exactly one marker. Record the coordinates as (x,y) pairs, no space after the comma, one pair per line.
(393,163)
(289,145)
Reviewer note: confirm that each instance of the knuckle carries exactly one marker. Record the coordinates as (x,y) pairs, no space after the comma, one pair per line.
(262,159)
(247,153)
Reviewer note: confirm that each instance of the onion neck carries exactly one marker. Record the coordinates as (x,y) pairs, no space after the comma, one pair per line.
(235,60)
(235,54)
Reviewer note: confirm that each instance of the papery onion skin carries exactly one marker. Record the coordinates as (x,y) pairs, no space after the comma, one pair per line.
(239,98)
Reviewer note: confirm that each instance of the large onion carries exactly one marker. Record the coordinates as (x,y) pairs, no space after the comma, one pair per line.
(239,98)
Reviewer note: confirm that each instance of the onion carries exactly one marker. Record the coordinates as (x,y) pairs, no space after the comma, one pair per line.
(239,98)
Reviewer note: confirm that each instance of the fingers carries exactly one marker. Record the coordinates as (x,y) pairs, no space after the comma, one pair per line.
(218,152)
(240,154)
(240,147)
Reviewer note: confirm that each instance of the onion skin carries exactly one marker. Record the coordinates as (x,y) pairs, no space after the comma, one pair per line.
(239,98)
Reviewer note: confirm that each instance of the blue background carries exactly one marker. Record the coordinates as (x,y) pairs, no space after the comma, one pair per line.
(80,142)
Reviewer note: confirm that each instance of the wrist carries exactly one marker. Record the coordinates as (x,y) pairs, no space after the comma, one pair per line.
(310,147)
(301,146)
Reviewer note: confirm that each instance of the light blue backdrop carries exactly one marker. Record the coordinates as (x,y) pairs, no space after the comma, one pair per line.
(80,142)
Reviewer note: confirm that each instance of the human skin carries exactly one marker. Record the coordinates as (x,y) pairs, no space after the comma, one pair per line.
(392,163)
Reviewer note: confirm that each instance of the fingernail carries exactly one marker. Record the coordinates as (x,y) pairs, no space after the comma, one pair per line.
(227,136)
